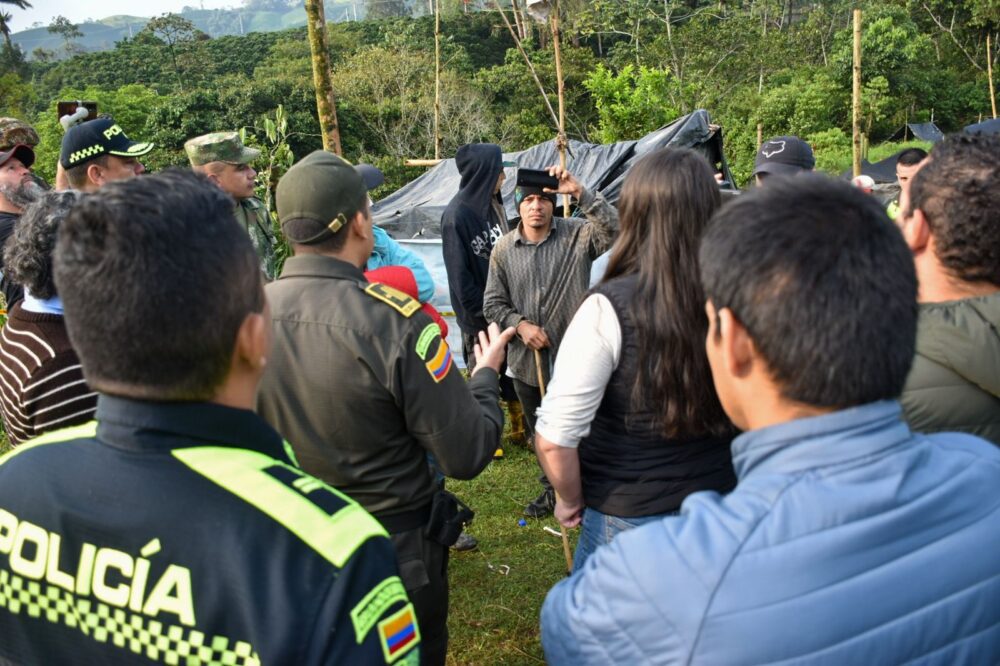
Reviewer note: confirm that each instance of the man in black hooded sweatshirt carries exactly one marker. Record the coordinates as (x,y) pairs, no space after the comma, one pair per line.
(472,223)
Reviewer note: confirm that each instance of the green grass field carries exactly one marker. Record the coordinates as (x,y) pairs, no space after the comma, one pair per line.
(494,617)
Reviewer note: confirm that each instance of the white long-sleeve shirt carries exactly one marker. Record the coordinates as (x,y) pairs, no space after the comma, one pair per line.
(588,355)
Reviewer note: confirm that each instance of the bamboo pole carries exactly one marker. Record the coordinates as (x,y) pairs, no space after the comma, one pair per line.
(437,79)
(527,60)
(561,139)
(421,163)
(989,75)
(326,103)
(856,115)
(562,529)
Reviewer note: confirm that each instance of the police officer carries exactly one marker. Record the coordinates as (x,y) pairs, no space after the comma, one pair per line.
(177,528)
(364,386)
(223,158)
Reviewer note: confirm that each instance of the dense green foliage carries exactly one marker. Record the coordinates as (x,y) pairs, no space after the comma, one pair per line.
(629,66)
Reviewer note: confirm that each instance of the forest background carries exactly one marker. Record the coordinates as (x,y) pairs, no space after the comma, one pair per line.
(630,66)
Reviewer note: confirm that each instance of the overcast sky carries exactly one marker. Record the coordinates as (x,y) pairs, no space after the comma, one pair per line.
(78,11)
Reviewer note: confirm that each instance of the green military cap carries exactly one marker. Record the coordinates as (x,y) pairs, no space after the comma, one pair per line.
(319,195)
(14,132)
(219,147)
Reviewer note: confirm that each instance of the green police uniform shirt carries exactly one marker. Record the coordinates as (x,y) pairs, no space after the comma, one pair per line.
(253,216)
(185,533)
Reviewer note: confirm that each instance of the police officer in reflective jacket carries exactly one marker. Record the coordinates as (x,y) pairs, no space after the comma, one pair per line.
(364,387)
(178,528)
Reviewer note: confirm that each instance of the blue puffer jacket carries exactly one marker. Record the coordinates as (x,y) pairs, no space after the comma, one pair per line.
(848,540)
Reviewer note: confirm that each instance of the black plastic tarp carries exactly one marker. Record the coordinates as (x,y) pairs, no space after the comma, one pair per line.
(991,126)
(883,171)
(414,211)
(926,132)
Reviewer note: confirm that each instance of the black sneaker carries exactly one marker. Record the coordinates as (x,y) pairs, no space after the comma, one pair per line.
(465,542)
(542,506)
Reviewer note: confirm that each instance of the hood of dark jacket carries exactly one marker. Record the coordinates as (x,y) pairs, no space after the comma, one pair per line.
(480,165)
(964,336)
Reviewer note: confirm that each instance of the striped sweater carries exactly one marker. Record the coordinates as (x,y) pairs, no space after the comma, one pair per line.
(41,382)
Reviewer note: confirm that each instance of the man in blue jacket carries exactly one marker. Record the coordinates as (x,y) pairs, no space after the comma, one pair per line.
(848,539)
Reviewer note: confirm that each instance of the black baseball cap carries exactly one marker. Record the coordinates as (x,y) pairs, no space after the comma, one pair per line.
(21,152)
(94,138)
(784,156)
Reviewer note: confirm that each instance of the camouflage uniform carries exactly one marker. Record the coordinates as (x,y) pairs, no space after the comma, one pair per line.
(251,213)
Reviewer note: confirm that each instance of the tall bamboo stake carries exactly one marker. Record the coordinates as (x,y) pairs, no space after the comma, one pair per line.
(567,553)
(437,79)
(326,103)
(989,75)
(561,139)
(856,115)
(527,61)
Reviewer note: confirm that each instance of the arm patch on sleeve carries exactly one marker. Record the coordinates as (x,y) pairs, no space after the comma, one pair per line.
(439,364)
(394,298)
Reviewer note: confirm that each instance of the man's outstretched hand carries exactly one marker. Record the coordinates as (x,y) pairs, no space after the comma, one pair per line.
(492,347)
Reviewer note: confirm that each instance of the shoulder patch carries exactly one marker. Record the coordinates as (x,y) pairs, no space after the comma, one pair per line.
(325,519)
(376,603)
(425,339)
(394,298)
(439,364)
(398,633)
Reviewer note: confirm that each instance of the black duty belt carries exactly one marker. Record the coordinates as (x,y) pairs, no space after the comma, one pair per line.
(405,521)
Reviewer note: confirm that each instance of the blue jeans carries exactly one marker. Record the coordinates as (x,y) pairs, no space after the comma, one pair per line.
(599,528)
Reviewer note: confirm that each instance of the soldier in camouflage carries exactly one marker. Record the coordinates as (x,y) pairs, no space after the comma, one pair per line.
(226,161)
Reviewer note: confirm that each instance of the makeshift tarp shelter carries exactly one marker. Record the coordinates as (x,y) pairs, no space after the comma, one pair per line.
(414,211)
(412,214)
(991,126)
(883,171)
(924,131)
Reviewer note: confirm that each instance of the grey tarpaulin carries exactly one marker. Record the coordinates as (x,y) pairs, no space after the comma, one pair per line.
(926,131)
(414,211)
(412,214)
(991,126)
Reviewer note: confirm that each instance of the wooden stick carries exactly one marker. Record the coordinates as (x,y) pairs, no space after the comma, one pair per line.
(421,163)
(561,140)
(989,74)
(527,60)
(437,79)
(856,114)
(567,553)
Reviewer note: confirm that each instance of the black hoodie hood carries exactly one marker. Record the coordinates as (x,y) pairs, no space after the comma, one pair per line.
(480,165)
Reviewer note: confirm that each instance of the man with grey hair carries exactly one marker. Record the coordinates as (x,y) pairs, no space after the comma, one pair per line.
(41,381)
(18,188)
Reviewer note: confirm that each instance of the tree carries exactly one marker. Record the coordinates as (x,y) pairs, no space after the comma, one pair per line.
(179,36)
(5,18)
(68,30)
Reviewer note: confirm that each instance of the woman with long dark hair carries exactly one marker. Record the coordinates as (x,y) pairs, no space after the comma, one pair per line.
(631,424)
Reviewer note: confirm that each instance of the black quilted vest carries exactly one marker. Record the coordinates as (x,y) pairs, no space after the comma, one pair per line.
(627,467)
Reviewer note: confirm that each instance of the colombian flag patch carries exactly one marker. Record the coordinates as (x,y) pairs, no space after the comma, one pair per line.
(398,633)
(440,363)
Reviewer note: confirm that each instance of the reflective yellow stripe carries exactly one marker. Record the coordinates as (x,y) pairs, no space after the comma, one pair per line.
(85,431)
(241,472)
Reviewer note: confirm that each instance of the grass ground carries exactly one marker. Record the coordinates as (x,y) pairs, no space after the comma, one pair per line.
(493,617)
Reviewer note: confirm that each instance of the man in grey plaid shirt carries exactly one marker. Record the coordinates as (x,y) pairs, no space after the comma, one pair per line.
(539,274)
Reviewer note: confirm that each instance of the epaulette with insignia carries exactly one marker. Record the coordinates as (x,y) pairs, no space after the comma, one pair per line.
(394,298)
